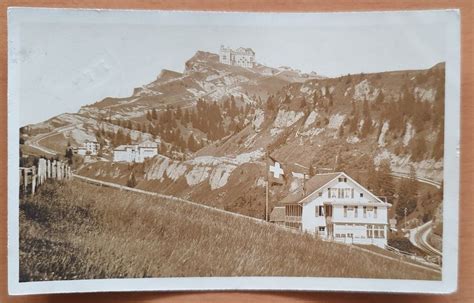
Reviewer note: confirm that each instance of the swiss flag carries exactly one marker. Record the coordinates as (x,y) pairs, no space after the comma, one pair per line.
(276,173)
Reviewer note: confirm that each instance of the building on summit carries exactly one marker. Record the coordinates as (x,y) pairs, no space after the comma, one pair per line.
(244,57)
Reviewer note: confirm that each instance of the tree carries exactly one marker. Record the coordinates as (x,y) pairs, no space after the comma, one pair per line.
(380,99)
(303,103)
(312,170)
(341,130)
(132,181)
(271,106)
(366,127)
(418,148)
(69,153)
(407,194)
(438,148)
(385,180)
(192,143)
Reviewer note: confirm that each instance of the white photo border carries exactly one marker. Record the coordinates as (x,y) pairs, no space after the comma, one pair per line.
(448,284)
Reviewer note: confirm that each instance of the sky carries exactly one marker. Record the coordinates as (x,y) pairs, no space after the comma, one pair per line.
(64,59)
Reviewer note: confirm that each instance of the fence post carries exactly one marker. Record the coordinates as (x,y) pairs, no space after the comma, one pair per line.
(48,169)
(60,170)
(41,171)
(33,180)
(25,180)
(53,169)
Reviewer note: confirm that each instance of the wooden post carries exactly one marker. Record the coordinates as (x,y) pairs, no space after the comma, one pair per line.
(33,180)
(41,171)
(48,168)
(25,180)
(53,169)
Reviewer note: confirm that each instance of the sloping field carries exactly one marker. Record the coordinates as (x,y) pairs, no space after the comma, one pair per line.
(80,231)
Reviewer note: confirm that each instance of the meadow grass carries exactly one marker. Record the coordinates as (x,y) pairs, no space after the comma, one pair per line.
(75,230)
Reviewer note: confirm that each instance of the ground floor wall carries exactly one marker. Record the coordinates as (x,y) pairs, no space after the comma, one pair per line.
(374,234)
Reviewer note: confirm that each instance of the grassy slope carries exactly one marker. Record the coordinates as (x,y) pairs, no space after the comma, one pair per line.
(80,231)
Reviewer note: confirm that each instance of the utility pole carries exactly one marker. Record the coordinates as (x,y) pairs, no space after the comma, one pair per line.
(304,184)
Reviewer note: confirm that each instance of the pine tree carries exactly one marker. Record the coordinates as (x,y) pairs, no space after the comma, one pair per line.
(418,148)
(385,180)
(271,106)
(179,113)
(132,181)
(341,131)
(303,103)
(438,148)
(191,143)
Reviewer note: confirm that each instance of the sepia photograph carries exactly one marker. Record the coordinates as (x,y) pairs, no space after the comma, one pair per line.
(173,150)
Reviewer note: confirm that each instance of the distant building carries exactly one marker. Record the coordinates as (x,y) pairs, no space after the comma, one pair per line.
(335,207)
(90,147)
(244,57)
(135,152)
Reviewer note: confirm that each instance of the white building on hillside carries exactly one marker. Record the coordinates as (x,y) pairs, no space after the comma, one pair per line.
(135,152)
(244,57)
(338,208)
(90,147)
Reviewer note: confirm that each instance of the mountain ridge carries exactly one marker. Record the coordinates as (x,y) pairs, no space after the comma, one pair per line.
(212,117)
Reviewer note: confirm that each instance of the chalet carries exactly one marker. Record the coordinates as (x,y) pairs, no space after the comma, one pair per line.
(135,152)
(89,147)
(335,207)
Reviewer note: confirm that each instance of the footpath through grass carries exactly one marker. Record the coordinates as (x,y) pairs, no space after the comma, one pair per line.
(80,231)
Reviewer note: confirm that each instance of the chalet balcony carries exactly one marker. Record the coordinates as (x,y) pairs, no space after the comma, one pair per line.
(293,218)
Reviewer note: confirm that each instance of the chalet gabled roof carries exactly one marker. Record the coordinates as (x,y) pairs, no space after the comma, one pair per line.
(312,185)
(318,182)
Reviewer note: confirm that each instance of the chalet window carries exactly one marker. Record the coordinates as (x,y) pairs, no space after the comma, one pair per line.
(345,211)
(322,228)
(345,179)
(365,211)
(375,231)
(332,192)
(318,211)
(356,212)
(350,235)
(339,193)
(341,179)
(361,195)
(347,192)
(320,194)
(352,193)
(375,212)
